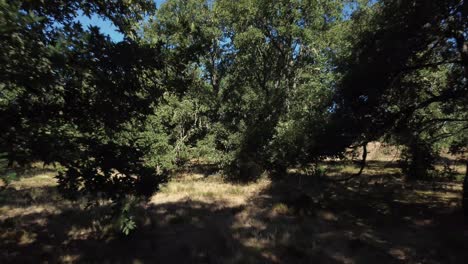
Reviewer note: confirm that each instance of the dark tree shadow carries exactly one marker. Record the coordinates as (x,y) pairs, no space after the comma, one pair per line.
(353,222)
(180,232)
(370,223)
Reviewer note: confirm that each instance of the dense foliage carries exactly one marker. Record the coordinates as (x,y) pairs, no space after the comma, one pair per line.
(250,86)
(71,95)
(406,78)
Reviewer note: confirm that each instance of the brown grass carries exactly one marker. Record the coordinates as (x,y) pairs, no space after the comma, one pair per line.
(200,218)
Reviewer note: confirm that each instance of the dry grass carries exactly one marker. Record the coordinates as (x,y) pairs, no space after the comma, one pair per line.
(207,189)
(201,218)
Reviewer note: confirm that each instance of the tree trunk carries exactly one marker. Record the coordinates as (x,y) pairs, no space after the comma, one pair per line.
(465,193)
(363,164)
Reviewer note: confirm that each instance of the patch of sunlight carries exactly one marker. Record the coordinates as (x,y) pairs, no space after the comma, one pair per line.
(137,261)
(69,258)
(399,253)
(423,222)
(279,209)
(327,215)
(255,243)
(338,256)
(79,232)
(370,236)
(440,195)
(26,238)
(15,212)
(210,189)
(41,180)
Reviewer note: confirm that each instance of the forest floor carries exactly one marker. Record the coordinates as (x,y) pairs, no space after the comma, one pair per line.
(201,218)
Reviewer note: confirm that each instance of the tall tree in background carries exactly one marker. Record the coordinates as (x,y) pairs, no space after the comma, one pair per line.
(188,34)
(279,79)
(253,76)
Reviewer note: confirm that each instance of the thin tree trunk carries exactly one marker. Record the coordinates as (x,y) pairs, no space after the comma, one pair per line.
(363,165)
(465,193)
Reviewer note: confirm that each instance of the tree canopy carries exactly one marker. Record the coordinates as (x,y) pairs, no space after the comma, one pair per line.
(250,86)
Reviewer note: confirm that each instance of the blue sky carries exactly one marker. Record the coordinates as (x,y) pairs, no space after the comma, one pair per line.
(105,25)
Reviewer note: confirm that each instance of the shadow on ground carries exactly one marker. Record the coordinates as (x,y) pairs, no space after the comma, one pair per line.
(357,222)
